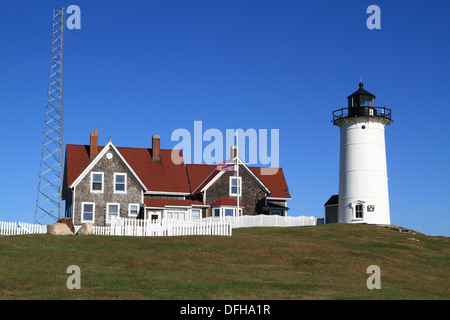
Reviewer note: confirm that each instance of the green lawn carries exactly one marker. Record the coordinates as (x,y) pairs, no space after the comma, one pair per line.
(320,262)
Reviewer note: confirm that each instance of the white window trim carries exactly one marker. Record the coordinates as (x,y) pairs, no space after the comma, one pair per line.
(129,210)
(354,204)
(108,220)
(167,211)
(92,182)
(239,186)
(115,182)
(195,219)
(109,147)
(222,211)
(229,208)
(245,169)
(149,213)
(93,212)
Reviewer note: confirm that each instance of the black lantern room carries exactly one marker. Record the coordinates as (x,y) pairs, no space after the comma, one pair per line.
(361,98)
(361,103)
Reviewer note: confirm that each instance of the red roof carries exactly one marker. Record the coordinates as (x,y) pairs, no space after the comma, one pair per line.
(276,183)
(226,202)
(201,174)
(161,203)
(77,159)
(162,175)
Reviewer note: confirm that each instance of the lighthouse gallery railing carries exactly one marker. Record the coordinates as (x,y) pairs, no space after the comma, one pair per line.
(367,111)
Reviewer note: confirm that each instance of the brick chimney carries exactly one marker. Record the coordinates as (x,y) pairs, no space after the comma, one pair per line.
(93,147)
(156,140)
(233,151)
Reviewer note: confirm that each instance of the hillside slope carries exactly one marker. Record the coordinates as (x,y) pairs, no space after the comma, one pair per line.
(320,262)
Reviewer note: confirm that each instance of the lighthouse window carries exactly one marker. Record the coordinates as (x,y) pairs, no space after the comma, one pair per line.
(359,211)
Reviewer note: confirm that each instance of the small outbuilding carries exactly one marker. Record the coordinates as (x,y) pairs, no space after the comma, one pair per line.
(331,209)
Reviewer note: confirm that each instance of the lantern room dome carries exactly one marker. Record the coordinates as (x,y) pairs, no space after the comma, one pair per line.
(361,98)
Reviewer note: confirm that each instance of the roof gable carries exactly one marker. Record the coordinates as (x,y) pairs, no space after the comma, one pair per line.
(162,175)
(334,200)
(101,154)
(200,175)
(214,175)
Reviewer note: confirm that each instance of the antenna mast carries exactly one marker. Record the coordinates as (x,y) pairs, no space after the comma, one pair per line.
(48,203)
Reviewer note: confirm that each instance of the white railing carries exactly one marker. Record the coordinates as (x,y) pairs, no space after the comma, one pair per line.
(263,220)
(19,228)
(164,227)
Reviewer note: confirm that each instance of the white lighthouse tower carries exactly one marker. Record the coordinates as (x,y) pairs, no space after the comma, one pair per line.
(363,182)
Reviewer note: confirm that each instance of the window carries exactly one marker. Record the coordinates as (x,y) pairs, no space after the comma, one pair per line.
(112,211)
(229,212)
(195,214)
(154,216)
(120,182)
(359,211)
(235,186)
(225,212)
(87,215)
(97,182)
(177,215)
(133,209)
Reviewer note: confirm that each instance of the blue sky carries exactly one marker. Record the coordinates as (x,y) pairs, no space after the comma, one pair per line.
(138,68)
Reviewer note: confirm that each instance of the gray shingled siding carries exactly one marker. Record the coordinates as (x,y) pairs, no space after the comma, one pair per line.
(252,195)
(83,191)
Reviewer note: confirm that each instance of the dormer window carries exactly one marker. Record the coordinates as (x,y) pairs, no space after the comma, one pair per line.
(235,186)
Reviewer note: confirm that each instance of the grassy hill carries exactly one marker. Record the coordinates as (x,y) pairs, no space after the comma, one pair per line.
(320,262)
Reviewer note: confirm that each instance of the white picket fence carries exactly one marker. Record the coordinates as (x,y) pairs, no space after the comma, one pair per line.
(19,228)
(263,220)
(207,226)
(164,227)
(171,227)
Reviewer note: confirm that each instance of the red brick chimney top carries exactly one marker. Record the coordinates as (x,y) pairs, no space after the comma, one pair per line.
(156,141)
(93,146)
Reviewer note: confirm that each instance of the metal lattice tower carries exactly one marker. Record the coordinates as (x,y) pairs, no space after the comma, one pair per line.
(48,203)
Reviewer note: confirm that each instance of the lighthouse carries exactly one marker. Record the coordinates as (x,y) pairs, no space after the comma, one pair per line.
(363,182)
